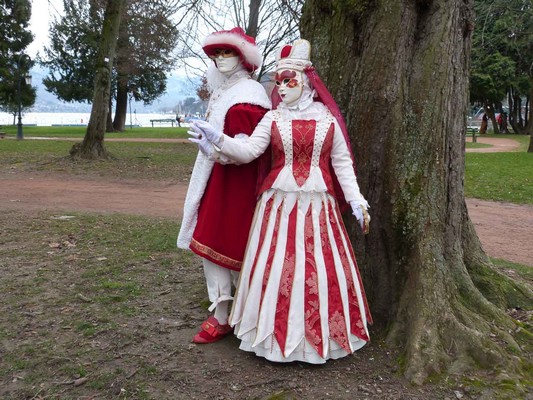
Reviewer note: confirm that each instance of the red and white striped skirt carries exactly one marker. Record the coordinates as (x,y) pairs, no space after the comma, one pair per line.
(300,295)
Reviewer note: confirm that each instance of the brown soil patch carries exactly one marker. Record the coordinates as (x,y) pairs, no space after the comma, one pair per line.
(504,229)
(23,191)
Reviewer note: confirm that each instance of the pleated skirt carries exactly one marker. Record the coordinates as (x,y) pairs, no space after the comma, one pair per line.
(300,295)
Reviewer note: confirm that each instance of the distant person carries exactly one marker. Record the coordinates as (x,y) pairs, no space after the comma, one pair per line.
(221,199)
(504,128)
(484,124)
(178,120)
(499,121)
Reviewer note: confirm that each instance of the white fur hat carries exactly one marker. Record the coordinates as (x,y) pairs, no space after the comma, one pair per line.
(237,40)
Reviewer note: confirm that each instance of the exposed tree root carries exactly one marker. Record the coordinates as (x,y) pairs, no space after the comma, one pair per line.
(95,151)
(499,289)
(454,334)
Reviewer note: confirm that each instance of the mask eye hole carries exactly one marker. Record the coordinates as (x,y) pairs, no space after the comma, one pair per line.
(225,53)
(283,82)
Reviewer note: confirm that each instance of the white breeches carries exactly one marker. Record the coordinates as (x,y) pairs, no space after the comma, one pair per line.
(219,283)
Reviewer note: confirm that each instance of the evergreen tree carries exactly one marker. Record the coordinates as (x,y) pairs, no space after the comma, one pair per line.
(71,56)
(143,54)
(14,64)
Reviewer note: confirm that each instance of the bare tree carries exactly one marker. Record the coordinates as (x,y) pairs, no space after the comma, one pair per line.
(271,22)
(399,71)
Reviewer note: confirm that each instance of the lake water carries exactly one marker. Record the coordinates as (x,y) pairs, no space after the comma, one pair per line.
(49,119)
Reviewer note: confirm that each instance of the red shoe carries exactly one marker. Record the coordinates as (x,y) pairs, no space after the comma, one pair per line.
(211,331)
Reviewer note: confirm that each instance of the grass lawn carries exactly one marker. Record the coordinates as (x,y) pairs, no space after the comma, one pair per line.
(105,306)
(159,161)
(79,132)
(500,176)
(477,145)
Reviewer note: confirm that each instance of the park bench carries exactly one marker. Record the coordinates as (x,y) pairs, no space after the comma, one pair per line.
(163,121)
(473,130)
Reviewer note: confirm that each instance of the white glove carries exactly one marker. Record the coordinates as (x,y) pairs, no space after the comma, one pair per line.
(360,210)
(214,136)
(201,140)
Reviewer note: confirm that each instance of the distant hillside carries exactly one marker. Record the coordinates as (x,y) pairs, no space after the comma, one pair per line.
(178,89)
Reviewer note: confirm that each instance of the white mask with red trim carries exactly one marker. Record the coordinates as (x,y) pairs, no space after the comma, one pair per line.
(294,89)
(290,86)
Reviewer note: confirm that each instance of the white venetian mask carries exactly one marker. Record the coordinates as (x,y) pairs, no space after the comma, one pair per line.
(290,86)
(225,59)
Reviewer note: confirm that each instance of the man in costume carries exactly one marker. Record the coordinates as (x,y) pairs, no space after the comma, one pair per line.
(221,198)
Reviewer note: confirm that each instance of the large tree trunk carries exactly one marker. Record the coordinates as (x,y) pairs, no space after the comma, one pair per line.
(93,142)
(121,108)
(399,71)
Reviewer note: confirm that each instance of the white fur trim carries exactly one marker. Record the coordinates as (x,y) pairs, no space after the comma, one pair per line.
(247,91)
(249,51)
(215,78)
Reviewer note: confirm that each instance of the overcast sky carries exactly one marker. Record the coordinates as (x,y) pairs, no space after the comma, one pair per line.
(42,12)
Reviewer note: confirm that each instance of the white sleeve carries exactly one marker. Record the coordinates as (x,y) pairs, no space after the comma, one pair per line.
(343,167)
(243,150)
(217,156)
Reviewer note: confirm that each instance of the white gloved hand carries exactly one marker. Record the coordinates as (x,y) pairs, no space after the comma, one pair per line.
(360,210)
(200,139)
(213,135)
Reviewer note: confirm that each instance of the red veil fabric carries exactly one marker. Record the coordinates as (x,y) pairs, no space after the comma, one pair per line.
(324,96)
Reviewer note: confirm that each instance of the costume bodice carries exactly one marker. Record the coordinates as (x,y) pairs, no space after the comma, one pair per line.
(301,153)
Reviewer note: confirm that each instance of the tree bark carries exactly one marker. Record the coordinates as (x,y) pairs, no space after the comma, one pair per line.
(109,119)
(93,143)
(121,107)
(253,21)
(399,72)
(529,121)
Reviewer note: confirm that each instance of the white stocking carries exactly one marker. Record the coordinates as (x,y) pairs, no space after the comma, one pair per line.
(219,282)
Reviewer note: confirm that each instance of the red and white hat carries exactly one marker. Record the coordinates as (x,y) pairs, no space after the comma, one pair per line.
(237,40)
(295,56)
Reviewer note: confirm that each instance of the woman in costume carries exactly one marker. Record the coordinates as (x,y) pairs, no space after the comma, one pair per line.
(299,296)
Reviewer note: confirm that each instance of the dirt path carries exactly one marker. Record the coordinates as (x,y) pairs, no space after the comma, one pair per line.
(504,229)
(498,145)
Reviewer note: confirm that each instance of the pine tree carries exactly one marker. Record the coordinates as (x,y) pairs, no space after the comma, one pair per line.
(14,64)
